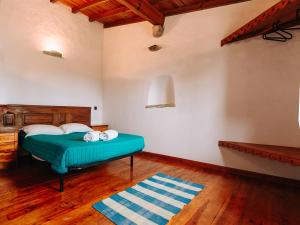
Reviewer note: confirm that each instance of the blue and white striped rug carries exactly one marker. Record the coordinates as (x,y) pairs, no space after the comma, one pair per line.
(153,201)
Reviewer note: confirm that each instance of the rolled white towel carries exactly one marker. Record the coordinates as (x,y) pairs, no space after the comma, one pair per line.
(91,136)
(108,135)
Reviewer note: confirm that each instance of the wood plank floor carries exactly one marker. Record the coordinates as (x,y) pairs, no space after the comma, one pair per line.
(28,195)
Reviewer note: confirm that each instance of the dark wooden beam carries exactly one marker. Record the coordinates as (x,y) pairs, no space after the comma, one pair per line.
(201,5)
(290,24)
(123,22)
(101,16)
(85,5)
(212,168)
(145,10)
(280,13)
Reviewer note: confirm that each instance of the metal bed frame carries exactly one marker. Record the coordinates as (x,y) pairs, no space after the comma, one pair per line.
(61,176)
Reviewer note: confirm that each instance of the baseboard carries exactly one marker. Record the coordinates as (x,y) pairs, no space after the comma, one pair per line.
(223,169)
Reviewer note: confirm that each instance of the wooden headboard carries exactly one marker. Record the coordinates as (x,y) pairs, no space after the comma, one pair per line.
(38,114)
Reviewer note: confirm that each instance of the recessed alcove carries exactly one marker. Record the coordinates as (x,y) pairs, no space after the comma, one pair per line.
(161,92)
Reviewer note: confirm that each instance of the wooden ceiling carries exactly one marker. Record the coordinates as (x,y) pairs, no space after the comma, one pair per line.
(119,12)
(285,13)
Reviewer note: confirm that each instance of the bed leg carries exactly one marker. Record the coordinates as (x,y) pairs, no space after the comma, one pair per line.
(131,161)
(61,183)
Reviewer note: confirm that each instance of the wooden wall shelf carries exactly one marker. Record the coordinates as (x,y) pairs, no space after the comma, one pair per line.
(280,153)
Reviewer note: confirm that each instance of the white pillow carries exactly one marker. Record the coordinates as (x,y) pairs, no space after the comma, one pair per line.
(75,127)
(37,129)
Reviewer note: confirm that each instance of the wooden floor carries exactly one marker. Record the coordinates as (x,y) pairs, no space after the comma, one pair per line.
(28,195)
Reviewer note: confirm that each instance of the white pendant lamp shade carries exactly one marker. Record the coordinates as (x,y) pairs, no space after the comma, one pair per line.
(161,93)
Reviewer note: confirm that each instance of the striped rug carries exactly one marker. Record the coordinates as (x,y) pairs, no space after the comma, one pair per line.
(153,201)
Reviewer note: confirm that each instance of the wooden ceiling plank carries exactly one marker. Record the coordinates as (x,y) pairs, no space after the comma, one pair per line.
(145,10)
(179,3)
(85,5)
(99,17)
(290,24)
(201,5)
(282,12)
(123,22)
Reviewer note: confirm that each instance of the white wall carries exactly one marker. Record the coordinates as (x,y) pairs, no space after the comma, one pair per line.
(245,92)
(29,77)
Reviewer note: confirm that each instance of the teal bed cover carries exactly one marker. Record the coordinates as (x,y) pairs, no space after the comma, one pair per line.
(69,150)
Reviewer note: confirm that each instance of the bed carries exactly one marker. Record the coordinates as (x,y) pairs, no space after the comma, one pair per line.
(66,151)
(69,151)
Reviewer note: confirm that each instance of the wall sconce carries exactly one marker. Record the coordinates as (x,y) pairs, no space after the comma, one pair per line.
(161,93)
(52,46)
(53,53)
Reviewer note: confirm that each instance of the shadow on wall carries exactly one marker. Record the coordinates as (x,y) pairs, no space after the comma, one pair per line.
(170,24)
(236,159)
(261,99)
(125,110)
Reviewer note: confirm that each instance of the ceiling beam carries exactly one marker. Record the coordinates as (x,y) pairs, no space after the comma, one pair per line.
(281,13)
(123,22)
(101,16)
(291,24)
(145,10)
(85,5)
(201,5)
